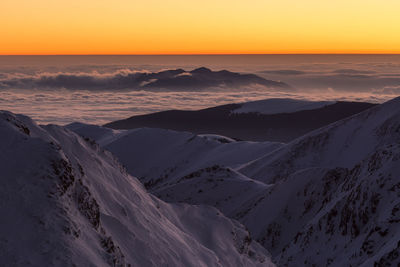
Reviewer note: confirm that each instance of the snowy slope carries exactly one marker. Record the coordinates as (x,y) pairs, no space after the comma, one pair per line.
(341,144)
(217,186)
(158,156)
(280,105)
(329,198)
(65,201)
(286,119)
(101,135)
(337,217)
(332,198)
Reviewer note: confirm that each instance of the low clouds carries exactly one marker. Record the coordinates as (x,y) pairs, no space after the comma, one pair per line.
(360,79)
(74,80)
(175,79)
(100,107)
(388,90)
(284,72)
(353,71)
(102,92)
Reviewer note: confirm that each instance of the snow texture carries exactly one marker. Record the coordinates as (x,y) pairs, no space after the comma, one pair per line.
(329,198)
(67,202)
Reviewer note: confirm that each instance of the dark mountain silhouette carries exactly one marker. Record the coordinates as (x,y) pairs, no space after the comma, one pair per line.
(252,126)
(177,79)
(204,77)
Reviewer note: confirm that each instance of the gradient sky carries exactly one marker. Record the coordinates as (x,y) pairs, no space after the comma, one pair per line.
(199,27)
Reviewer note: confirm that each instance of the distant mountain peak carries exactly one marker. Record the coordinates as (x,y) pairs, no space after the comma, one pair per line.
(201,70)
(171,79)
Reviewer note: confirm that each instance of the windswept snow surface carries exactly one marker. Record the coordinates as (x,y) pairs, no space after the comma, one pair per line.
(329,198)
(335,194)
(280,105)
(158,156)
(67,202)
(341,144)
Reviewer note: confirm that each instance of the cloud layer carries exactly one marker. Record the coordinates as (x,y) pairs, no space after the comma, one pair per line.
(125,79)
(66,106)
(99,90)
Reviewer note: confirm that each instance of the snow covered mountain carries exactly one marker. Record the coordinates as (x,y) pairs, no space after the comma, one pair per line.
(335,194)
(329,198)
(341,144)
(276,119)
(158,157)
(67,202)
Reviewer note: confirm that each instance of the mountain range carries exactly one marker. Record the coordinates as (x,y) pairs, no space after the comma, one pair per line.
(172,79)
(67,202)
(328,198)
(278,120)
(88,195)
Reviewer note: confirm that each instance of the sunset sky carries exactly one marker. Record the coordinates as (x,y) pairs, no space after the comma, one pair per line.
(199,27)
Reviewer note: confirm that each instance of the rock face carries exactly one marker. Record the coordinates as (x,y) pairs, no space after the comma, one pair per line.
(67,202)
(329,198)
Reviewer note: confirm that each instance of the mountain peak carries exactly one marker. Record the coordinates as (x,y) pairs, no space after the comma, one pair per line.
(201,70)
(66,202)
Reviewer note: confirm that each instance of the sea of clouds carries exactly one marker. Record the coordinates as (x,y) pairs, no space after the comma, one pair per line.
(99,90)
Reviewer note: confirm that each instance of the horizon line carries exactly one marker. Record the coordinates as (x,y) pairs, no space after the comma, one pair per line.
(202,54)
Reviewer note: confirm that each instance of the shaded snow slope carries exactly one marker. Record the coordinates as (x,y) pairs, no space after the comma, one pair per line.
(280,105)
(65,201)
(337,216)
(158,156)
(329,198)
(333,198)
(217,186)
(341,144)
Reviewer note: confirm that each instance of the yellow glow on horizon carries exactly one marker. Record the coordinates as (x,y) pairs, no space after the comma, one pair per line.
(199,27)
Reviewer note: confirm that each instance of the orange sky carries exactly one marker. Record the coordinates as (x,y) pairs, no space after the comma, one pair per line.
(199,27)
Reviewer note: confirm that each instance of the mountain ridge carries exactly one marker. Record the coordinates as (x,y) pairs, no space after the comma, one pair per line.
(251,126)
(329,198)
(66,201)
(173,79)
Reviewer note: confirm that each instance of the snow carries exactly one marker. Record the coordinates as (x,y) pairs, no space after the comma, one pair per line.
(341,144)
(280,105)
(153,154)
(65,201)
(337,186)
(327,198)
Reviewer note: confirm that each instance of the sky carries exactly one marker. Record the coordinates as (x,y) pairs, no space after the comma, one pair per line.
(198,27)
